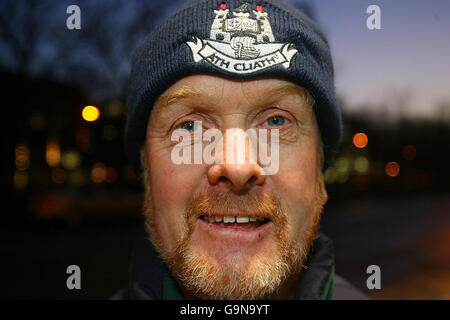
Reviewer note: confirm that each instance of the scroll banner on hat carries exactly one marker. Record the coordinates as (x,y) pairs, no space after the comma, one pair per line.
(219,55)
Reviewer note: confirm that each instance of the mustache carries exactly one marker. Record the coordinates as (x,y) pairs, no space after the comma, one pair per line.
(216,202)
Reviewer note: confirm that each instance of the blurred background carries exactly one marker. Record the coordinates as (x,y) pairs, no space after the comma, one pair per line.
(70,197)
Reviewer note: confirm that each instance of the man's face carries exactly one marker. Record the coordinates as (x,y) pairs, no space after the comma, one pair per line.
(185,204)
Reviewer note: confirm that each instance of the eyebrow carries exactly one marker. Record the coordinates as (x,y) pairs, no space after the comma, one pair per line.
(290,89)
(182,93)
(273,92)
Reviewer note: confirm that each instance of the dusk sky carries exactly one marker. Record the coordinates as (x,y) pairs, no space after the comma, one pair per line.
(406,62)
(407,59)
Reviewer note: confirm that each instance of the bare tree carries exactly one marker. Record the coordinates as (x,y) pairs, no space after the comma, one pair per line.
(35,40)
(98,55)
(21,29)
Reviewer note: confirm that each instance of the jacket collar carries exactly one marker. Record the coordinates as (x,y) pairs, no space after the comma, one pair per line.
(149,277)
(316,281)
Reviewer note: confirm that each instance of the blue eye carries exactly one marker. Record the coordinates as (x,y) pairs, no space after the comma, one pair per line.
(276,121)
(189,126)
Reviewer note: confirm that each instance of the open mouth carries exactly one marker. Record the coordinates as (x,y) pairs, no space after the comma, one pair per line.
(247,222)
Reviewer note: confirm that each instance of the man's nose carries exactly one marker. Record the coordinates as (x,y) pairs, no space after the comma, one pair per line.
(238,176)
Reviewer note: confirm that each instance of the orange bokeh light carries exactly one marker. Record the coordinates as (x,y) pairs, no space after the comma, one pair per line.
(98,173)
(53,154)
(360,140)
(409,152)
(111,175)
(392,169)
(90,113)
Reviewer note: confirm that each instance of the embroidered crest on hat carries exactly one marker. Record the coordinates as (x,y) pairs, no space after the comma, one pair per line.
(243,43)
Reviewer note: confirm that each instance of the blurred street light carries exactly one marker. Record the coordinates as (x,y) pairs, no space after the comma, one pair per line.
(70,160)
(22,157)
(409,152)
(109,132)
(361,165)
(53,154)
(90,113)
(77,177)
(111,175)
(392,169)
(114,109)
(20,179)
(37,121)
(98,173)
(360,140)
(59,175)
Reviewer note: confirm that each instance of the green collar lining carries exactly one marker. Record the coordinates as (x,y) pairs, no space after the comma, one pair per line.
(327,293)
(171,289)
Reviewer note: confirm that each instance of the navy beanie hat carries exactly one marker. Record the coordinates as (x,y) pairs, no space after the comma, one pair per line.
(238,39)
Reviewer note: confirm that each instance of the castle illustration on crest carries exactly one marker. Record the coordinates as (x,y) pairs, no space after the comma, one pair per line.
(241,41)
(259,30)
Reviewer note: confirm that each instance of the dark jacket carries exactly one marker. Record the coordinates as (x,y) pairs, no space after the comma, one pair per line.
(149,278)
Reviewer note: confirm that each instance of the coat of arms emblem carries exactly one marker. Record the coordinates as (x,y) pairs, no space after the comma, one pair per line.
(241,42)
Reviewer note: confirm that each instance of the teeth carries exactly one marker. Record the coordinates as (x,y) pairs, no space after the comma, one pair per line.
(229,219)
(242,219)
(232,219)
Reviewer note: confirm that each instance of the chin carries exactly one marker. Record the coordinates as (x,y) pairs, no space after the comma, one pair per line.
(237,275)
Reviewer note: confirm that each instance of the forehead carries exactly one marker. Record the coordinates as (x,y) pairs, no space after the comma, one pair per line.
(215,90)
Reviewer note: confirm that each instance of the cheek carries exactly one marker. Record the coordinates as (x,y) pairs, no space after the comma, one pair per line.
(297,176)
(172,187)
(296,184)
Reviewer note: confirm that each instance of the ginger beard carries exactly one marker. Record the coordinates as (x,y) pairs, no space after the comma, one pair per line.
(242,276)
